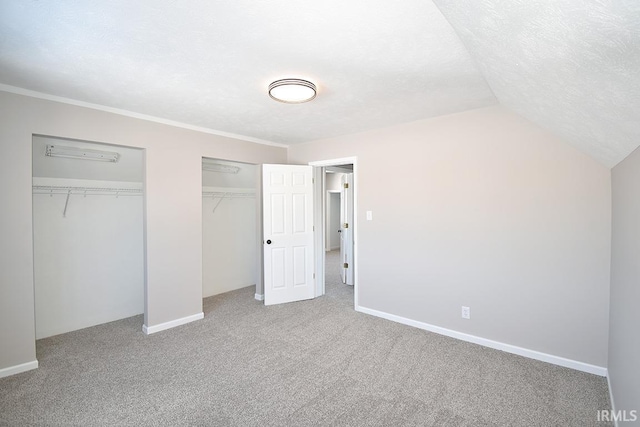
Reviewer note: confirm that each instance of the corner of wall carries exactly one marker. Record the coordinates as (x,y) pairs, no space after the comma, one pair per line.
(18,369)
(148,330)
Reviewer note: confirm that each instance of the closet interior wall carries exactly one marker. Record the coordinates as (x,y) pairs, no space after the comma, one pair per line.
(229,218)
(88,237)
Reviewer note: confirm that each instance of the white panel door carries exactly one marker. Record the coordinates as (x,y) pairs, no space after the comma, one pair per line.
(346,229)
(287,192)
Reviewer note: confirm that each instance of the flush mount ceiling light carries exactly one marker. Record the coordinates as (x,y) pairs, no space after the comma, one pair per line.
(81,153)
(292,91)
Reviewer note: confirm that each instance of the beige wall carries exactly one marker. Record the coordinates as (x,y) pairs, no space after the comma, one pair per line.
(486,210)
(173,207)
(624,339)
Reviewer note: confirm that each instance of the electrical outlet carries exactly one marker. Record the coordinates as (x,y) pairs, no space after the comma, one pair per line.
(466,312)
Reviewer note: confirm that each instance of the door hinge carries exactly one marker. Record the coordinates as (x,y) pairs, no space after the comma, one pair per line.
(346,185)
(346,225)
(314,275)
(313,180)
(345,265)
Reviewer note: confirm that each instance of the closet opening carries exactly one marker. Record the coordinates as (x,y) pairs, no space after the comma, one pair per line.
(230,227)
(88,237)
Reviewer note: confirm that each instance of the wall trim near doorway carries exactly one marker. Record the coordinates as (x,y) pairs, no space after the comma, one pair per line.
(148,330)
(525,352)
(18,369)
(260,297)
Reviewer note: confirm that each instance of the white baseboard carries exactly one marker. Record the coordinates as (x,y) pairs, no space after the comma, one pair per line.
(260,297)
(148,330)
(18,369)
(525,352)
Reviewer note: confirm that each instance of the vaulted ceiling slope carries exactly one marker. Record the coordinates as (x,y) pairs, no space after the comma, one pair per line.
(209,63)
(571,66)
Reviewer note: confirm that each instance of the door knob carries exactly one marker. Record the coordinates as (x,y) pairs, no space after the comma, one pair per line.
(268,242)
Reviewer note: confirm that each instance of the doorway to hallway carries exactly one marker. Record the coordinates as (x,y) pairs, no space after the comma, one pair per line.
(333,285)
(337,270)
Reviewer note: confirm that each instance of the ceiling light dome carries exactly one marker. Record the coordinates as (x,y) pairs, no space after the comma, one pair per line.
(292,91)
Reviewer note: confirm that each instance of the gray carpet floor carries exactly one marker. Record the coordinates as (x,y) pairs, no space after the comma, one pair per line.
(311,363)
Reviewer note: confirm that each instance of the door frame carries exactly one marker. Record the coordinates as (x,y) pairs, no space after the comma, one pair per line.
(319,218)
(328,218)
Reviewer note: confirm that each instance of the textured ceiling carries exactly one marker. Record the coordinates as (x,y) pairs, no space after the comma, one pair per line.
(571,66)
(208,63)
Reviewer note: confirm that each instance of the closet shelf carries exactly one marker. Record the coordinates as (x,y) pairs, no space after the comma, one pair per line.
(227,195)
(56,189)
(221,195)
(86,191)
